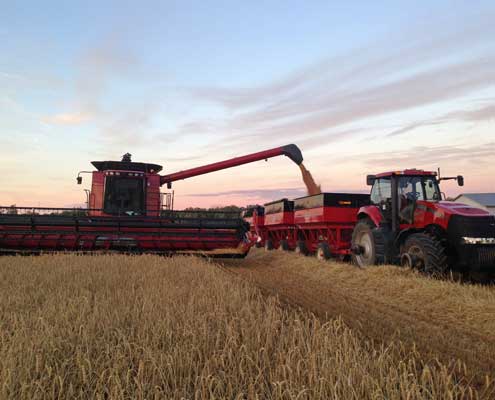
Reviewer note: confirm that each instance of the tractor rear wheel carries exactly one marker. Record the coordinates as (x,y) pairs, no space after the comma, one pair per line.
(424,253)
(368,244)
(301,248)
(323,251)
(268,245)
(284,245)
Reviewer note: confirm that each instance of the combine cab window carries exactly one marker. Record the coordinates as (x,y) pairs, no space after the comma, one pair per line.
(124,195)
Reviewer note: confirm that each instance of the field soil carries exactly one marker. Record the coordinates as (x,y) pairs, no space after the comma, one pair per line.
(443,320)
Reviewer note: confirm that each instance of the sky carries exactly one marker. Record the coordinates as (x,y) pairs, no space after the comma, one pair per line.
(361,87)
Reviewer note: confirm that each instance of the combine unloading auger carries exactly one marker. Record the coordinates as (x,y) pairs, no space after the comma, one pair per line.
(125,214)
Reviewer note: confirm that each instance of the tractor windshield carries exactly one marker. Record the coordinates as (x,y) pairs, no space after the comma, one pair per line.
(410,188)
(419,188)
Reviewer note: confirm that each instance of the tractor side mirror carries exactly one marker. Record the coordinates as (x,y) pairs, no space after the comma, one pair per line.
(79,180)
(460,180)
(370,180)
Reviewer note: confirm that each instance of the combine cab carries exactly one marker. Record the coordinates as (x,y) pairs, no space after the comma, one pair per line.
(125,214)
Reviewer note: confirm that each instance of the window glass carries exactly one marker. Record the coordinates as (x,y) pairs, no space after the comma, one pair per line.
(123,195)
(410,188)
(431,189)
(381,191)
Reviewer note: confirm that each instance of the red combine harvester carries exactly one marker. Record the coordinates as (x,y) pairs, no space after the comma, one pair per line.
(125,213)
(404,221)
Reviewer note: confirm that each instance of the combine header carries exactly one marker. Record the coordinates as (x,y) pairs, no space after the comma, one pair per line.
(125,214)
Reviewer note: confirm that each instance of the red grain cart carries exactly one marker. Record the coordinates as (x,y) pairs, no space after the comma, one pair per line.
(324,223)
(279,230)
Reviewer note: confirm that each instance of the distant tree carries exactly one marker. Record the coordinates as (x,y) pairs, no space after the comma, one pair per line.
(12,210)
(211,212)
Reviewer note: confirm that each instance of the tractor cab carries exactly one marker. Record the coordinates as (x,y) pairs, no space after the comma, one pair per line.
(397,194)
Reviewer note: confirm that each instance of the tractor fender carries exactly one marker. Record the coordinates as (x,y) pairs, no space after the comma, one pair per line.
(433,229)
(371,212)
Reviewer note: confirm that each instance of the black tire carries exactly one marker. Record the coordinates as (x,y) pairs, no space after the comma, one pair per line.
(268,245)
(368,244)
(301,248)
(323,251)
(284,245)
(424,253)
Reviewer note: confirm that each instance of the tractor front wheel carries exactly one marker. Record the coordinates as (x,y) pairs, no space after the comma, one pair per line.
(424,253)
(368,244)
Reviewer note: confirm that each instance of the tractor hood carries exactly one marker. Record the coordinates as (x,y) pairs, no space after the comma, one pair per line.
(453,208)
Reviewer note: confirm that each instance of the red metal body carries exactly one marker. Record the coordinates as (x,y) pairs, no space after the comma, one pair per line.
(291,151)
(427,213)
(327,217)
(155,235)
(279,223)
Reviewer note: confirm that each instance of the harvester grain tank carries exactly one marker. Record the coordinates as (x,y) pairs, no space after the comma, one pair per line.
(125,214)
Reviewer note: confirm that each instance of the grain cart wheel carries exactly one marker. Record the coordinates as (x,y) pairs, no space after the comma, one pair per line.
(424,253)
(284,245)
(301,248)
(323,251)
(368,244)
(268,245)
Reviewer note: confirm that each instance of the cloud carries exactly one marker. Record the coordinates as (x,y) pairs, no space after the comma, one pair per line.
(393,75)
(486,113)
(428,155)
(76,118)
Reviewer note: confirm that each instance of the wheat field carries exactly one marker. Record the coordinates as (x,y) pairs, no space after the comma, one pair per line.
(148,327)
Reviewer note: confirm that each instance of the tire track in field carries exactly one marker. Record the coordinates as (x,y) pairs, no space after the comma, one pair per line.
(374,314)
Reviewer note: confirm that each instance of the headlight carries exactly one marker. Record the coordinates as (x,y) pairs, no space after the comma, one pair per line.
(475,240)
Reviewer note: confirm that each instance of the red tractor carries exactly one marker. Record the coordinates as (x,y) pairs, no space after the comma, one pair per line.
(407,222)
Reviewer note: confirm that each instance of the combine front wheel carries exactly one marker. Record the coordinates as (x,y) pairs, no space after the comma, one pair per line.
(424,253)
